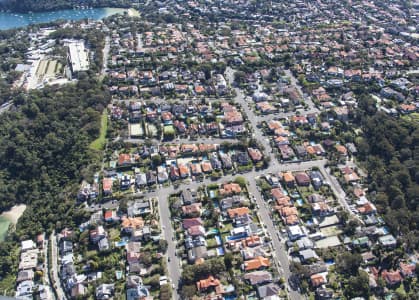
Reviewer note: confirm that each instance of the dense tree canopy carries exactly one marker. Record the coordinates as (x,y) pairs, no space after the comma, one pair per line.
(390,150)
(44,151)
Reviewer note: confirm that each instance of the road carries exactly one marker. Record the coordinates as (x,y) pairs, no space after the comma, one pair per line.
(174,264)
(106,49)
(281,255)
(307,100)
(46,278)
(199,140)
(54,268)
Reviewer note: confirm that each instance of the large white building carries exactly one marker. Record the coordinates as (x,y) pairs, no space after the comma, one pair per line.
(78,56)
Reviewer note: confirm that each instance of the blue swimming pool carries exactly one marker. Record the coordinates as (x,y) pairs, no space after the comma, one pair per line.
(121,243)
(237,237)
(300,202)
(220,251)
(212,194)
(218,239)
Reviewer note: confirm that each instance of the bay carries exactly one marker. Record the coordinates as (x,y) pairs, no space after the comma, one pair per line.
(13,20)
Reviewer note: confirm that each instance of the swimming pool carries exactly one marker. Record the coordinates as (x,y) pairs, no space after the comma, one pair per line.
(220,251)
(218,239)
(300,202)
(212,194)
(120,244)
(236,237)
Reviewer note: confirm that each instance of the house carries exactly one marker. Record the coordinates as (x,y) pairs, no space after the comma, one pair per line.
(255,154)
(97,234)
(65,247)
(350,175)
(258,263)
(229,202)
(316,179)
(387,241)
(249,253)
(188,196)
(241,158)
(124,159)
(196,169)
(139,208)
(226,160)
(288,179)
(301,151)
(107,186)
(392,278)
(206,167)
(162,175)
(125,182)
(318,279)
(258,277)
(183,170)
(324,294)
(237,212)
(321,209)
(295,232)
(205,284)
(302,179)
(229,189)
(197,230)
(78,290)
(103,244)
(25,275)
(215,162)
(341,150)
(269,291)
(193,209)
(286,151)
(197,253)
(151,178)
(110,216)
(130,224)
(105,291)
(407,270)
(307,255)
(27,245)
(141,180)
(187,223)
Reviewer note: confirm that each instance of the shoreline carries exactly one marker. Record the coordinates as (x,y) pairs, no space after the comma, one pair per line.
(132,12)
(14,213)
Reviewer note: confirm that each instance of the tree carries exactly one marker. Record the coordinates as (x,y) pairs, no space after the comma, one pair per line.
(240,181)
(228,260)
(163,245)
(240,77)
(358,286)
(348,263)
(156,159)
(188,291)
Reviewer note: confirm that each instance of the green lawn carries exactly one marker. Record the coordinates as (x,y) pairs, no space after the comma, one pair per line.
(99,143)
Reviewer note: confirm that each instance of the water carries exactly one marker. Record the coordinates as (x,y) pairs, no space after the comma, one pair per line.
(13,20)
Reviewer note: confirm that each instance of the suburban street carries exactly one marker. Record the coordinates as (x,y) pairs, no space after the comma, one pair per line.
(46,278)
(56,282)
(106,49)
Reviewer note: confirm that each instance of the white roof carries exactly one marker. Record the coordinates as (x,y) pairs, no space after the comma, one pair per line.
(78,57)
(27,245)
